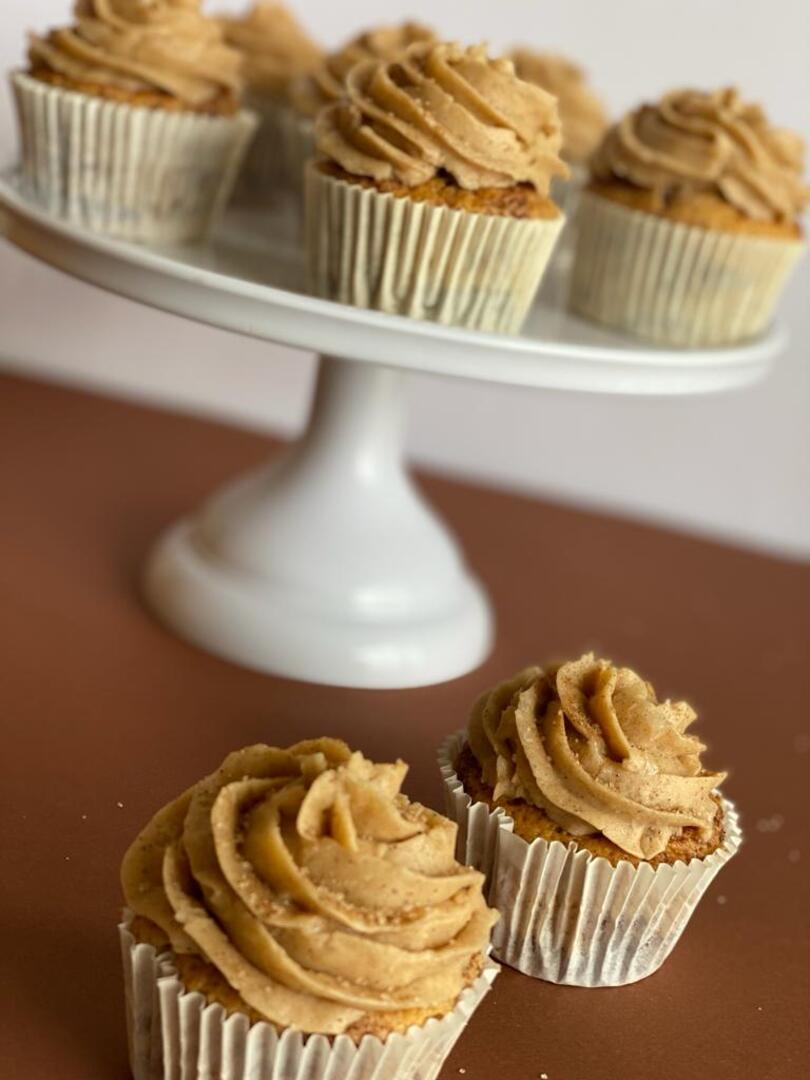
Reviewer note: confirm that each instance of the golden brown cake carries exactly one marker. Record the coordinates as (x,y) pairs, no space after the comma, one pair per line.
(519,201)
(300,887)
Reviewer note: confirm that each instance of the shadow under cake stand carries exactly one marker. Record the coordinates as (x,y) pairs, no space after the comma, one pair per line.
(327,565)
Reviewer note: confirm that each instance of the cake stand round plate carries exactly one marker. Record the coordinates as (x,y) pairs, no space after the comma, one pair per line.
(328,565)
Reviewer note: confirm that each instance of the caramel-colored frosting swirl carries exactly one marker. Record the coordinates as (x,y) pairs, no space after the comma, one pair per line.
(315,887)
(590,744)
(582,114)
(164,45)
(274,46)
(443,108)
(694,141)
(327,83)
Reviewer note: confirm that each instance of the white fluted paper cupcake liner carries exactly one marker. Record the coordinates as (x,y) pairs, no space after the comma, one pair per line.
(177,1035)
(127,171)
(672,283)
(392,254)
(567,916)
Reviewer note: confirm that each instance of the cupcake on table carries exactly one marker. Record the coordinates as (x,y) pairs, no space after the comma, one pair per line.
(130,119)
(295,914)
(430,197)
(582,115)
(690,226)
(276,50)
(586,802)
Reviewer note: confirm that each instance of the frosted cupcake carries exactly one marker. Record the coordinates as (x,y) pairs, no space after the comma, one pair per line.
(689,229)
(276,50)
(585,801)
(431,195)
(310,93)
(582,115)
(293,913)
(130,121)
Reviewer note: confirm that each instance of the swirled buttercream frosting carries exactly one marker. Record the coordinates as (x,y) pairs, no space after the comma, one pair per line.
(136,45)
(313,885)
(582,114)
(693,141)
(326,84)
(443,109)
(590,744)
(274,46)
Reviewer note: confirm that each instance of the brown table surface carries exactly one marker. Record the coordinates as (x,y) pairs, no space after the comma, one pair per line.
(106,716)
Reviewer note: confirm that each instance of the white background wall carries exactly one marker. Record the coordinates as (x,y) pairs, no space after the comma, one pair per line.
(737,466)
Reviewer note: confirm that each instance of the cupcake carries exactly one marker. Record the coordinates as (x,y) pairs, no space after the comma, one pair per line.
(310,93)
(585,801)
(293,913)
(582,115)
(689,228)
(130,121)
(431,194)
(276,50)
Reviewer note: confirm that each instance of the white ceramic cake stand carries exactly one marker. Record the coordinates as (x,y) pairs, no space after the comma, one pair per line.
(327,565)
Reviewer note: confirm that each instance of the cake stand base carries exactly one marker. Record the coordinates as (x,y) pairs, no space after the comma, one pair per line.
(327,565)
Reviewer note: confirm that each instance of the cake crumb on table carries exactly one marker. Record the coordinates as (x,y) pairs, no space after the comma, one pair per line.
(721,899)
(794,855)
(770,824)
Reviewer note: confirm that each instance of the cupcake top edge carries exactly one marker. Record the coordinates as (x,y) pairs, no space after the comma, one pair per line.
(165,46)
(590,745)
(274,45)
(312,92)
(694,142)
(582,114)
(317,890)
(441,109)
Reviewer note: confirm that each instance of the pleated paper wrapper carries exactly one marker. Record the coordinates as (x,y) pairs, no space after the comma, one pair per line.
(672,283)
(177,1035)
(567,916)
(394,254)
(126,171)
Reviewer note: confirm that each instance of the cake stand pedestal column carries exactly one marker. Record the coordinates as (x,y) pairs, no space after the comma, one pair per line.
(327,565)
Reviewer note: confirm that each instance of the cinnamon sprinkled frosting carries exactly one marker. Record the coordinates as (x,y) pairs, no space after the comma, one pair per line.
(318,890)
(590,744)
(164,45)
(694,141)
(326,84)
(444,108)
(583,115)
(274,46)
